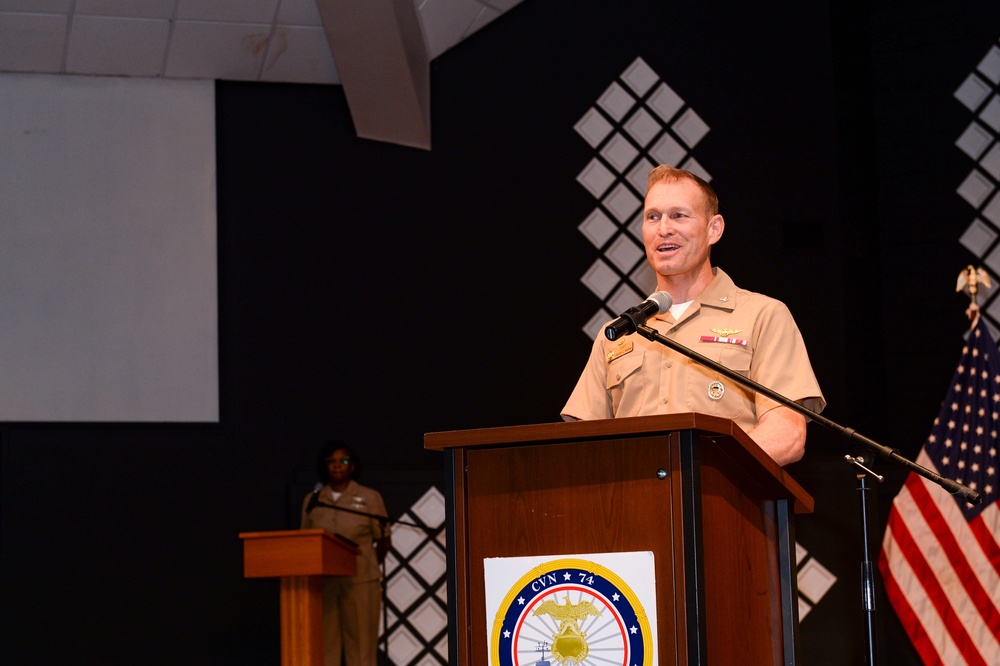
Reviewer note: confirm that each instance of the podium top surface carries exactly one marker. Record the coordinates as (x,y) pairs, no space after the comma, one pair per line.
(552,433)
(282,553)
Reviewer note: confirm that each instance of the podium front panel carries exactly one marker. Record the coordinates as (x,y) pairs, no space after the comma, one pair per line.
(712,528)
(575,498)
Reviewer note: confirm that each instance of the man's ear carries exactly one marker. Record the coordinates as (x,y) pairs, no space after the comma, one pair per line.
(716,225)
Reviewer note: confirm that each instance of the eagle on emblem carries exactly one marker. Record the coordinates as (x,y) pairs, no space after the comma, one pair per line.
(569,646)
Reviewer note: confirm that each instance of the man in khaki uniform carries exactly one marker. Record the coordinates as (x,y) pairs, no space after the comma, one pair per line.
(750,333)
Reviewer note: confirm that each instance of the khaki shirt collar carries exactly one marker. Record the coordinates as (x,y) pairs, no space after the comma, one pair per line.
(719,294)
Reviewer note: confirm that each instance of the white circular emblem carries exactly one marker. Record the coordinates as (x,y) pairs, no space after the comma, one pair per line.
(562,609)
(716,390)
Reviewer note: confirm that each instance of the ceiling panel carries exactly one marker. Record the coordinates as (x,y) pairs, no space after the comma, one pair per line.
(245,40)
(117,46)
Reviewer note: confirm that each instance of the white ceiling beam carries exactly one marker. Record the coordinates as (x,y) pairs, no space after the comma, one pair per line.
(382,60)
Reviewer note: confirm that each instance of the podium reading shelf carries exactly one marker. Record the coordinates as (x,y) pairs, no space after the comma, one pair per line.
(300,558)
(695,490)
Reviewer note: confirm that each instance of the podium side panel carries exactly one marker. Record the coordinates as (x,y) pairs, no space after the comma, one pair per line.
(577,498)
(457,537)
(742,563)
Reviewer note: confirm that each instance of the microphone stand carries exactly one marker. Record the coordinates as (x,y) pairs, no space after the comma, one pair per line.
(383,521)
(884,452)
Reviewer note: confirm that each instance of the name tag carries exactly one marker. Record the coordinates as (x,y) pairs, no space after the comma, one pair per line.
(622,347)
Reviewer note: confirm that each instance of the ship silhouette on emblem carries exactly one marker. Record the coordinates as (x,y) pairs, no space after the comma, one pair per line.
(543,648)
(569,645)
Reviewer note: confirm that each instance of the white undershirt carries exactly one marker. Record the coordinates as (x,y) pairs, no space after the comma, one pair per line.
(678,309)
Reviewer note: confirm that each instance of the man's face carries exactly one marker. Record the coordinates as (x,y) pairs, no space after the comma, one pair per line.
(677,230)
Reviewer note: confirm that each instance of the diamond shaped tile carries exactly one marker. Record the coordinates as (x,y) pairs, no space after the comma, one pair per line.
(391,563)
(804,609)
(593,326)
(690,128)
(635,226)
(975,188)
(403,589)
(665,102)
(598,228)
(429,563)
(624,253)
(990,162)
(695,167)
(624,298)
(429,619)
(430,508)
(990,65)
(639,76)
(406,539)
(644,278)
(642,126)
(639,174)
(668,150)
(619,152)
(621,202)
(972,92)
(990,115)
(616,101)
(596,177)
(600,279)
(442,649)
(993,309)
(978,237)
(403,646)
(992,210)
(815,580)
(974,140)
(593,127)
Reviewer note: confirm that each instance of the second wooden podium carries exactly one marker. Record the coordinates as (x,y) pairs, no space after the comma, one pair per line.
(300,558)
(694,490)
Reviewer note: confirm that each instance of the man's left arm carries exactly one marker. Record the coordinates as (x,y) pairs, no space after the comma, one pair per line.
(781,363)
(781,432)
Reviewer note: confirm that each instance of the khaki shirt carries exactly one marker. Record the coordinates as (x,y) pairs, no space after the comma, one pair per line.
(359,529)
(750,333)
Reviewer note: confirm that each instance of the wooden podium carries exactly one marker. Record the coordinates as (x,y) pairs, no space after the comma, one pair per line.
(696,491)
(300,558)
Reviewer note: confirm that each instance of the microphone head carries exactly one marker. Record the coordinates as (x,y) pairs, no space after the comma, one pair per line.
(662,299)
(318,487)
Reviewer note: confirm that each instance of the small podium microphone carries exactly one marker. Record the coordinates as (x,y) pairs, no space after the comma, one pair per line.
(314,500)
(631,319)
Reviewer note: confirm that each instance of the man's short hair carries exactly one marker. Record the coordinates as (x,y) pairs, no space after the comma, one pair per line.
(665,173)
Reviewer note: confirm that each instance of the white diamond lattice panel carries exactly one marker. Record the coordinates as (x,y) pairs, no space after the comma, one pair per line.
(979,92)
(637,123)
(416,586)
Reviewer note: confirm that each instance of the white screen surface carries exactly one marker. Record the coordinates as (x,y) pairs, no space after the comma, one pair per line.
(108,260)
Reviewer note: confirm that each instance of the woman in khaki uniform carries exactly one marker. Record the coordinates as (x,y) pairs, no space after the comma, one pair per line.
(351,606)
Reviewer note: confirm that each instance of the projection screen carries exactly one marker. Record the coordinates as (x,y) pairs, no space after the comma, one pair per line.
(108,259)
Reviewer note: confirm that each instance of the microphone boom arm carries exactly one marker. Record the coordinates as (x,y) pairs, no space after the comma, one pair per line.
(884,452)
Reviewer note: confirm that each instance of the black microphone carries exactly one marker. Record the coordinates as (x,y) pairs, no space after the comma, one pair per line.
(314,500)
(631,319)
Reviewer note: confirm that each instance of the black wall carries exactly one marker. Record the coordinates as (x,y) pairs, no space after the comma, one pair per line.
(375,292)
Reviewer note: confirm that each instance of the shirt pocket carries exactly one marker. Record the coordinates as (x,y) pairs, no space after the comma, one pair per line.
(626,384)
(735,399)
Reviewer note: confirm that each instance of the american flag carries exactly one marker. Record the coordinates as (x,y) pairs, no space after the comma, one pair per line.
(940,557)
